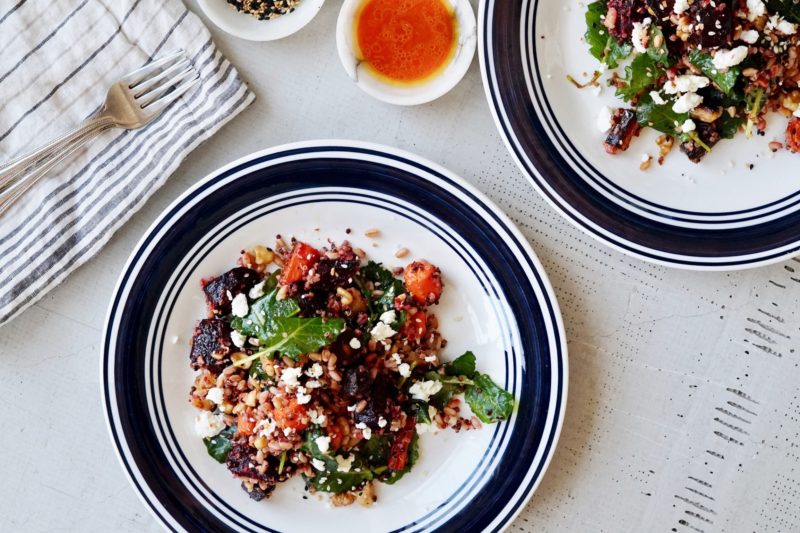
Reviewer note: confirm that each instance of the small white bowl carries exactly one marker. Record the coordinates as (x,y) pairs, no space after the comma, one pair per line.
(249,27)
(411,94)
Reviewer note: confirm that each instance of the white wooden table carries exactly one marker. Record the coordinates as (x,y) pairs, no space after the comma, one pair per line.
(684,402)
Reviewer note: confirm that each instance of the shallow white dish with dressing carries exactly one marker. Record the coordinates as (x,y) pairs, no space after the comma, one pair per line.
(250,28)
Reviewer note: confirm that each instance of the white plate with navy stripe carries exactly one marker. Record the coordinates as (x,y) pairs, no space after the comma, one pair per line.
(718,215)
(497,302)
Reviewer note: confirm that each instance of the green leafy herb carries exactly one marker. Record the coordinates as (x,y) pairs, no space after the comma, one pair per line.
(294,336)
(725,81)
(421,410)
(413,456)
(788,9)
(660,117)
(640,75)
(489,401)
(260,321)
(658,53)
(375,452)
(462,366)
(450,387)
(727,126)
(603,45)
(330,479)
(221,444)
(382,280)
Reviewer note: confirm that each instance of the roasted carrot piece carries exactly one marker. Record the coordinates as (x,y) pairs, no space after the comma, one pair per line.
(416,326)
(245,424)
(302,258)
(290,414)
(424,282)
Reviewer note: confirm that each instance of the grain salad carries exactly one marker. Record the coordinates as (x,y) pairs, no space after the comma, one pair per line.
(698,71)
(319,363)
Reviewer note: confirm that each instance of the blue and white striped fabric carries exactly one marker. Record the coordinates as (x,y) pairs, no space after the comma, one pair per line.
(57,60)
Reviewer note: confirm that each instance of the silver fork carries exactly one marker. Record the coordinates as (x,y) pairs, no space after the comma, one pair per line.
(132,102)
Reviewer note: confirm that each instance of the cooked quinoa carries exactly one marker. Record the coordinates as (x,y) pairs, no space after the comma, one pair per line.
(319,363)
(265,9)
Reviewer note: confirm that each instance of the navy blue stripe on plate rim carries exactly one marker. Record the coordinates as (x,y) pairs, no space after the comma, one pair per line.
(502,57)
(121,316)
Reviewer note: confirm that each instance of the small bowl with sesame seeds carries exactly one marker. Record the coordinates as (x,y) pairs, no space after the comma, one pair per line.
(261,20)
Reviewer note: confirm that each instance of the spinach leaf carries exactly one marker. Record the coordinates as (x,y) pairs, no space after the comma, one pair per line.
(641,74)
(260,321)
(450,387)
(413,456)
(463,366)
(383,280)
(602,45)
(728,126)
(659,117)
(221,444)
(658,53)
(420,410)
(332,480)
(788,9)
(375,452)
(488,401)
(725,81)
(295,336)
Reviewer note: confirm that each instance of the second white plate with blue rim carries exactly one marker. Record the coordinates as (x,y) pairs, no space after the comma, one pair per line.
(498,302)
(722,214)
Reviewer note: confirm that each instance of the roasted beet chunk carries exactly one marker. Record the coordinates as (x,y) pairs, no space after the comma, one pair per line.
(620,18)
(241,462)
(356,382)
(714,26)
(623,129)
(211,345)
(708,134)
(379,403)
(257,493)
(220,290)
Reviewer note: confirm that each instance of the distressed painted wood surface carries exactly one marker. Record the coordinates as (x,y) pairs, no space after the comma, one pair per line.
(684,398)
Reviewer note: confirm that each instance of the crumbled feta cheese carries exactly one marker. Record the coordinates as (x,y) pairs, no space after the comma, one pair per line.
(287,431)
(253,341)
(646,158)
(215,395)
(208,425)
(604,119)
(688,126)
(302,396)
(290,376)
(688,83)
(238,339)
(351,408)
(687,102)
(749,36)
(239,306)
(382,422)
(315,371)
(781,25)
(425,428)
(382,331)
(725,59)
(755,9)
(388,317)
(366,433)
(319,464)
(355,343)
(796,112)
(640,34)
(344,465)
(257,291)
(266,426)
(430,358)
(316,418)
(323,443)
(657,98)
(680,6)
(405,370)
(423,390)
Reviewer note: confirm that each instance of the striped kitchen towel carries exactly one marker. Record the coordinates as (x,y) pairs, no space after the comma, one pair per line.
(57,60)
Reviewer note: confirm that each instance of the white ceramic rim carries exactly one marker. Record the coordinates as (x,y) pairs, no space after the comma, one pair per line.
(250,28)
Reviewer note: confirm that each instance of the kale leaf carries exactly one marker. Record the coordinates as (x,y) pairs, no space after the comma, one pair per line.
(488,401)
(260,321)
(295,336)
(725,81)
(602,45)
(641,74)
(220,445)
(660,117)
(462,366)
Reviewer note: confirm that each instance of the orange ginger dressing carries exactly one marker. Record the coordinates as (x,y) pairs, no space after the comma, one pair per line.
(406,42)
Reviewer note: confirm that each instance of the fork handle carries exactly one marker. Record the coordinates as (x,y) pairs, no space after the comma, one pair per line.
(13,192)
(12,170)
